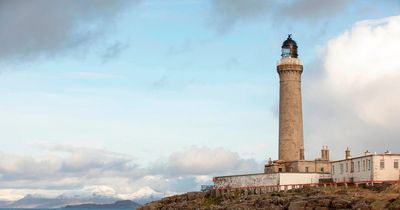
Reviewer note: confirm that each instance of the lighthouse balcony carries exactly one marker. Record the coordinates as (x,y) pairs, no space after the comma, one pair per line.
(289,60)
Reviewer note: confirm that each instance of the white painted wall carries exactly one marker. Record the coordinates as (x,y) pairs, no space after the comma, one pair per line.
(298,178)
(363,172)
(258,180)
(251,180)
(388,172)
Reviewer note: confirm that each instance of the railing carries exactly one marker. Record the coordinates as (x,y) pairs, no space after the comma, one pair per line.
(276,188)
(205,188)
(289,61)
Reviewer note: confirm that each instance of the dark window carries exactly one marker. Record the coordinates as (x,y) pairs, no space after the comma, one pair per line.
(306,169)
(396,164)
(352,167)
(382,164)
(369,165)
(285,52)
(322,169)
(280,169)
(363,165)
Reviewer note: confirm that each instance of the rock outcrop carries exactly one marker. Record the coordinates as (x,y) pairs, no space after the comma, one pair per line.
(381,197)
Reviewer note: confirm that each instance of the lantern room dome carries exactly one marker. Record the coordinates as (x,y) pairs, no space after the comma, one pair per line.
(289,48)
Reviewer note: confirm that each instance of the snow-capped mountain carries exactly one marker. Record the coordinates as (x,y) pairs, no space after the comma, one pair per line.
(143,195)
(91,191)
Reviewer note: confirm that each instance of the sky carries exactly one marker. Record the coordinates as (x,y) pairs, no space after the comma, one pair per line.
(136,94)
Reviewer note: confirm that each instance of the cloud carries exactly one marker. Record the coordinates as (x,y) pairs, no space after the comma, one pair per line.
(76,170)
(226,13)
(31,29)
(207,161)
(312,9)
(114,51)
(66,162)
(354,101)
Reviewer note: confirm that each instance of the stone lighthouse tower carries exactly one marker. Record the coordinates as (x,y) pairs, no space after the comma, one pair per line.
(291,145)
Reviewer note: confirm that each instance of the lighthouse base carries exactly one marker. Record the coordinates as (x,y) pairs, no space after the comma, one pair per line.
(298,166)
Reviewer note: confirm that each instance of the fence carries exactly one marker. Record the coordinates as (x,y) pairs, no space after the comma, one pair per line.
(258,190)
(205,188)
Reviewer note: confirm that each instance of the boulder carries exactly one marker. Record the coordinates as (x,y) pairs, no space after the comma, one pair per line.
(297,205)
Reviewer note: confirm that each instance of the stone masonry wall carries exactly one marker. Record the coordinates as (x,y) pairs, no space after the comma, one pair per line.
(291,146)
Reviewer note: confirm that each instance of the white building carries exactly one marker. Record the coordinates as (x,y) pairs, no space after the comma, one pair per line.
(371,167)
(268,180)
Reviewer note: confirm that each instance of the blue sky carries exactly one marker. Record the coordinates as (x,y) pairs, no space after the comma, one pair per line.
(152,80)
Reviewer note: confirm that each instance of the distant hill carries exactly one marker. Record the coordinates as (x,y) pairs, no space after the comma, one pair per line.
(34,201)
(123,204)
(90,195)
(4,203)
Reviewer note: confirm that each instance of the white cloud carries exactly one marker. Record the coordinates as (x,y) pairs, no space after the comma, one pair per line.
(205,161)
(364,54)
(11,194)
(355,101)
(82,171)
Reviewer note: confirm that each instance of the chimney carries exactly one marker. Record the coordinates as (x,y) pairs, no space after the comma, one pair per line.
(325,153)
(367,153)
(348,155)
(269,161)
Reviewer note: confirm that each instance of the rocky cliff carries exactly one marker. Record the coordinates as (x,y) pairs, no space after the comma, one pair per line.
(363,198)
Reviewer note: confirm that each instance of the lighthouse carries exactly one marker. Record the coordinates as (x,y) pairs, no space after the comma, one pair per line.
(291,144)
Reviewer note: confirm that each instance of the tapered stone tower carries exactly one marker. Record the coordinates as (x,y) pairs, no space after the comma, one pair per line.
(291,144)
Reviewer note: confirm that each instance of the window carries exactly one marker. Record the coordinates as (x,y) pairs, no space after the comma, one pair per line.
(369,165)
(322,169)
(306,169)
(347,167)
(285,52)
(333,169)
(396,164)
(358,166)
(352,167)
(280,169)
(382,164)
(363,165)
(341,168)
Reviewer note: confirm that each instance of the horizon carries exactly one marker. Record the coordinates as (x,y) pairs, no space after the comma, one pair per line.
(132,95)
